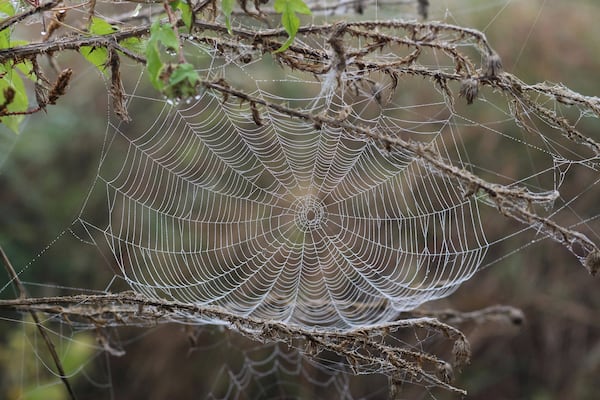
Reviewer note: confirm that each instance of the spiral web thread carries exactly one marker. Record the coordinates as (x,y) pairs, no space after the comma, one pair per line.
(327,193)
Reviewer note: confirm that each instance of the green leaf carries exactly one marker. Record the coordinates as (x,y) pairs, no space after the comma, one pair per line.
(291,23)
(98,56)
(99,26)
(289,19)
(26,67)
(154,66)
(286,44)
(186,13)
(227,9)
(6,9)
(164,33)
(291,6)
(182,82)
(159,34)
(11,79)
(5,39)
(135,45)
(184,72)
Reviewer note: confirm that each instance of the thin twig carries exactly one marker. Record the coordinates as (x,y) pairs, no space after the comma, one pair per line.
(23,295)
(173,22)
(453,317)
(130,54)
(13,275)
(8,22)
(70,43)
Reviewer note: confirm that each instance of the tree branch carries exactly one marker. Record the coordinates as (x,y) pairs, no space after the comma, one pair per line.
(363,348)
(8,22)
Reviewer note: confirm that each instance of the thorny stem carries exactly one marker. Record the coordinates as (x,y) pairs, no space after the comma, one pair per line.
(19,53)
(74,43)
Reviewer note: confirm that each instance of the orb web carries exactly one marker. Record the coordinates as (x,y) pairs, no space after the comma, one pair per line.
(282,220)
(328,186)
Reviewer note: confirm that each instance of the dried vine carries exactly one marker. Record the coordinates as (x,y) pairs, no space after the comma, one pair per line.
(364,349)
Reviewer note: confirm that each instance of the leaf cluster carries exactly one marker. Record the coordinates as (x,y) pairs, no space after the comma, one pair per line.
(13,97)
(174,77)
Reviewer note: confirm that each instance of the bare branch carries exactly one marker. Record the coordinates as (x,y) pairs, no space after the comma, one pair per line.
(363,348)
(69,43)
(8,22)
(453,317)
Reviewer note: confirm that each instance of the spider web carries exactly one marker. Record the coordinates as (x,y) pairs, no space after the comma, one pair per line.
(259,197)
(284,222)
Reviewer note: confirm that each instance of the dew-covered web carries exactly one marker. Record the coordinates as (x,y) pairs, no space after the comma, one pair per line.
(331,187)
(281,221)
(299,194)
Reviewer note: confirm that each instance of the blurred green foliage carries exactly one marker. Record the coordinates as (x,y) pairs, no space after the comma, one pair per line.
(24,352)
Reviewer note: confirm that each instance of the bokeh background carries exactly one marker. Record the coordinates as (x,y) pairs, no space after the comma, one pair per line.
(46,173)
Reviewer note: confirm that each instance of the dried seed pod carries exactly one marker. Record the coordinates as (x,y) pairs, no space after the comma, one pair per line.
(377,92)
(445,372)
(461,352)
(469,89)
(516,317)
(493,65)
(116,87)
(55,23)
(246,58)
(395,388)
(60,86)
(592,262)
(9,96)
(359,7)
(336,40)
(41,95)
